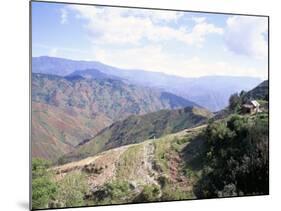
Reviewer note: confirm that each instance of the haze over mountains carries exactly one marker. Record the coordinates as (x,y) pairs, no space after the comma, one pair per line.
(73,101)
(211,92)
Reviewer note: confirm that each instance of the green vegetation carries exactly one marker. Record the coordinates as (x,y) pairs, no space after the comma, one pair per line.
(178,144)
(117,190)
(236,159)
(136,129)
(162,146)
(43,187)
(174,192)
(48,193)
(149,193)
(127,162)
(88,149)
(235,102)
(260,92)
(226,157)
(114,192)
(164,151)
(71,190)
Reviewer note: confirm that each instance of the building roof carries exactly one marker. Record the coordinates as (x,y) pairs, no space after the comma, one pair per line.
(255,103)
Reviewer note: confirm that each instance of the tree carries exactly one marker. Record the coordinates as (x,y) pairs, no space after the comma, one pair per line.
(234,102)
(236,158)
(243,96)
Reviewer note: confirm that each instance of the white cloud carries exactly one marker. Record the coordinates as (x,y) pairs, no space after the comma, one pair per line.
(156,16)
(128,26)
(64,16)
(245,35)
(134,39)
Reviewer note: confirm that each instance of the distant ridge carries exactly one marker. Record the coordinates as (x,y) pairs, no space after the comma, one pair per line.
(211,92)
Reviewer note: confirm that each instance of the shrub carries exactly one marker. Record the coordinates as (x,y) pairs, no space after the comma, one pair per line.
(43,187)
(72,189)
(236,160)
(113,193)
(235,102)
(149,193)
(172,192)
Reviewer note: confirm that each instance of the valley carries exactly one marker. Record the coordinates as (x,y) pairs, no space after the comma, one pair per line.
(99,139)
(135,129)
(69,110)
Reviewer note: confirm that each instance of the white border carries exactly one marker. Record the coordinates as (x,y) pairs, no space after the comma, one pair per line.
(14,87)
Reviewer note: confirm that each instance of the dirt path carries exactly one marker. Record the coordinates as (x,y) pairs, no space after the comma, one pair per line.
(148,156)
(103,167)
(100,168)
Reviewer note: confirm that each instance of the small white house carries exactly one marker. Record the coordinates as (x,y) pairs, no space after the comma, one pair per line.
(251,107)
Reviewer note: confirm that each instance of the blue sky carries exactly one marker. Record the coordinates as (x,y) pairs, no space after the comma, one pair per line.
(178,43)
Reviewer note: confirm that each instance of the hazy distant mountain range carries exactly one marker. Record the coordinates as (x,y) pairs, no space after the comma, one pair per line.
(73,101)
(211,92)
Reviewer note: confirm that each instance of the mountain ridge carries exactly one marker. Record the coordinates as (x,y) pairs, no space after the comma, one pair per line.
(211,92)
(71,109)
(136,129)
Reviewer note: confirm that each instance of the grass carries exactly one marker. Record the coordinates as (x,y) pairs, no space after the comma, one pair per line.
(174,192)
(127,163)
(94,147)
(161,147)
(114,192)
(179,143)
(192,174)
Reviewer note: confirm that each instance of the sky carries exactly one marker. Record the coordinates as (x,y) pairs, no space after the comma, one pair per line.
(186,44)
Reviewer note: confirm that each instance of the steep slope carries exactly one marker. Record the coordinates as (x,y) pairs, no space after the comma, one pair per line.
(158,163)
(136,129)
(224,158)
(55,131)
(68,110)
(260,92)
(211,92)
